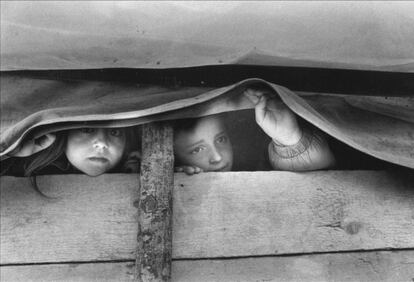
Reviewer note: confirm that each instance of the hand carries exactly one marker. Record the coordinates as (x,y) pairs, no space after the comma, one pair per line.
(189,170)
(32,146)
(276,119)
(133,162)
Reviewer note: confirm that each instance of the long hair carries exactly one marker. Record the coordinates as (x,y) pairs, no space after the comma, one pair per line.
(132,143)
(50,156)
(31,165)
(47,157)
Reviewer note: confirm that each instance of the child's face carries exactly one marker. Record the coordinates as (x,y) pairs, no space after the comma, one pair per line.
(206,146)
(94,151)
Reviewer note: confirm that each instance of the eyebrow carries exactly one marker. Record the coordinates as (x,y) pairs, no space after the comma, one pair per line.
(202,140)
(196,143)
(218,134)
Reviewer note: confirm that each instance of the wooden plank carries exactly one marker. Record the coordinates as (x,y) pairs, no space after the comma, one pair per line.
(215,215)
(83,219)
(84,272)
(361,266)
(265,213)
(352,267)
(153,260)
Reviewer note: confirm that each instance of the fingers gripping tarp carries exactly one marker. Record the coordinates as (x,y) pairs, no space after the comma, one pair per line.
(379,126)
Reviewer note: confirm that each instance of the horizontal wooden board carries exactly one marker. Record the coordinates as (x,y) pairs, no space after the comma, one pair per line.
(367,266)
(215,215)
(84,272)
(83,219)
(352,267)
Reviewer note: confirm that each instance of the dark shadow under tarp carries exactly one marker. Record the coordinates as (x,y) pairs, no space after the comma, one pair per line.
(379,126)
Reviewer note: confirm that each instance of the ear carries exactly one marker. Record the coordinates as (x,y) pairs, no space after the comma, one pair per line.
(33,146)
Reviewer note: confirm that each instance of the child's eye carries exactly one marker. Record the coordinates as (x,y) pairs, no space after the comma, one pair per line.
(87,130)
(197,150)
(116,132)
(221,139)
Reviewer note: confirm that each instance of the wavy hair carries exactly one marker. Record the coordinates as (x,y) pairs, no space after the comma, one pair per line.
(47,157)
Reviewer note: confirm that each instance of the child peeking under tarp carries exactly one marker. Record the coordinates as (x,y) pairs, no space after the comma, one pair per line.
(200,144)
(203,144)
(92,151)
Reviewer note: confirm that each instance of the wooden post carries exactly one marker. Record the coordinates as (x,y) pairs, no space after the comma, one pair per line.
(153,262)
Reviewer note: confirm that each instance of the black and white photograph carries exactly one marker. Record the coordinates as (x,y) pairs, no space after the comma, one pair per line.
(207,141)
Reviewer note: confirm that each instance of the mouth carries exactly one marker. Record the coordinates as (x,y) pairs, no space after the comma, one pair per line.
(100,160)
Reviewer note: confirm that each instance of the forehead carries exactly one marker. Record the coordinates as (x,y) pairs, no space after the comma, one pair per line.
(205,128)
(77,134)
(96,129)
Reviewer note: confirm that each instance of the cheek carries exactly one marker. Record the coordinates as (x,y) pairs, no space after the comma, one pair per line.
(183,158)
(199,160)
(77,142)
(227,151)
(196,160)
(229,154)
(228,157)
(75,154)
(118,148)
(74,148)
(180,155)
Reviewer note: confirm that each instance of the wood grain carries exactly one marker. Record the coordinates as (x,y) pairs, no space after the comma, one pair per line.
(84,272)
(264,213)
(352,267)
(366,266)
(153,260)
(83,219)
(215,215)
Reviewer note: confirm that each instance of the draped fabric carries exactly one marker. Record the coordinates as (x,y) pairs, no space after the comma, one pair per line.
(379,126)
(61,35)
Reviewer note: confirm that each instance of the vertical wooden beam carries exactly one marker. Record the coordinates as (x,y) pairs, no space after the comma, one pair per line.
(153,261)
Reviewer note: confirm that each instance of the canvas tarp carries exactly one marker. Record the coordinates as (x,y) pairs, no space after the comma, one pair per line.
(150,34)
(379,126)
(66,35)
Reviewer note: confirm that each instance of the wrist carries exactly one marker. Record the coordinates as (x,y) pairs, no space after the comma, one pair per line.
(291,139)
(291,151)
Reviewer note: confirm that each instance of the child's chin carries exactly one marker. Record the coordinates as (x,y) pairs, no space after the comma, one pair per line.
(225,168)
(228,168)
(94,173)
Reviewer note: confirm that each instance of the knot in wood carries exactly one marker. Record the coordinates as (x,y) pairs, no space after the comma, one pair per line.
(136,203)
(149,204)
(353,227)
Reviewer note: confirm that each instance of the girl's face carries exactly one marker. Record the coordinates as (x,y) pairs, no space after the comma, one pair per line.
(95,151)
(206,146)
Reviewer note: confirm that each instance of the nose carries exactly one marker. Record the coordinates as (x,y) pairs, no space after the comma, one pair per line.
(100,141)
(99,146)
(215,156)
